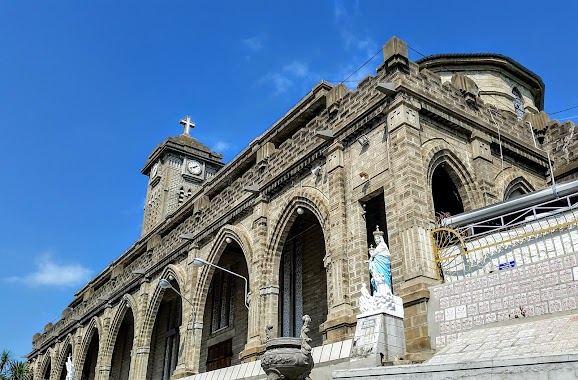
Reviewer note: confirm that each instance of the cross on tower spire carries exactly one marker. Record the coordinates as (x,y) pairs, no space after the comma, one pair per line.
(187,123)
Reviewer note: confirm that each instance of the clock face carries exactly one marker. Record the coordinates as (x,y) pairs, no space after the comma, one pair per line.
(155,170)
(194,167)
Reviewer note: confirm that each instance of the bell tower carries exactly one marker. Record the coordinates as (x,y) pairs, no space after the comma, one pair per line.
(177,169)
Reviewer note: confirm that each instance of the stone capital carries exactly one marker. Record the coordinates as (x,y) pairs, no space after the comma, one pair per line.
(335,156)
(405,114)
(273,289)
(480,143)
(143,350)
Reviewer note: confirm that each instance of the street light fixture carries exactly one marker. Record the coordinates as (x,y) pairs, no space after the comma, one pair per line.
(198,262)
(165,284)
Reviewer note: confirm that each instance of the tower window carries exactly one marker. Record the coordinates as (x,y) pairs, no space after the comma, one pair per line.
(181,195)
(518,103)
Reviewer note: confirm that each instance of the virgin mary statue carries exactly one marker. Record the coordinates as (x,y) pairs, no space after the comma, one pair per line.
(380,264)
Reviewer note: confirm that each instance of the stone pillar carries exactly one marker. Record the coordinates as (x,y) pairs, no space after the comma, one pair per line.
(141,349)
(185,362)
(482,157)
(340,317)
(261,311)
(102,370)
(53,357)
(413,269)
(138,370)
(187,359)
(197,332)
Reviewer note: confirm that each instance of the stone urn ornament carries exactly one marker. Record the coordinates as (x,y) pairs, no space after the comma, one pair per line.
(289,358)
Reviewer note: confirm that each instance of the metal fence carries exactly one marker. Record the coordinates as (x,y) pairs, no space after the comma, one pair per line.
(521,237)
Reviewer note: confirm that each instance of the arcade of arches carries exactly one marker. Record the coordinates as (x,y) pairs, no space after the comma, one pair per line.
(218,330)
(292,216)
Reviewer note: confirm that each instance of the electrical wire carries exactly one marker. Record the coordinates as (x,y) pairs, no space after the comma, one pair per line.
(360,67)
(567,109)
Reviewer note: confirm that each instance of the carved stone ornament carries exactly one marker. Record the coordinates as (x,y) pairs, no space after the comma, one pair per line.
(289,358)
(383,301)
(268,330)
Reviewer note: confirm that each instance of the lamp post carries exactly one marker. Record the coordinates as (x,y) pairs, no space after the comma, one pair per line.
(200,262)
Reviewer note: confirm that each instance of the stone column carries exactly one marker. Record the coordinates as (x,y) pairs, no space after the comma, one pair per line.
(482,157)
(185,360)
(141,348)
(138,370)
(406,189)
(102,370)
(196,329)
(340,318)
(260,312)
(186,356)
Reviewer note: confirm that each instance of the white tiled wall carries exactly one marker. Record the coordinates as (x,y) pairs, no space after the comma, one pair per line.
(541,288)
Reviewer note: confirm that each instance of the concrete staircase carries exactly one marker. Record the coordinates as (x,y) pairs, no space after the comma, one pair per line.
(541,347)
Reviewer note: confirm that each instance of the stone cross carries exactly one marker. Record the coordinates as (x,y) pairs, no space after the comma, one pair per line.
(188,124)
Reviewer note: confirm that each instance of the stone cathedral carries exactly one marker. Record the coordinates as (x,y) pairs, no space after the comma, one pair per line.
(290,219)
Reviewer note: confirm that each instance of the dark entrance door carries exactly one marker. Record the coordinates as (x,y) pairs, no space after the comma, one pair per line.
(220,355)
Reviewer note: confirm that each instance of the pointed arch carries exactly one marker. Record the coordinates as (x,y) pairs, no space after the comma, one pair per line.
(307,198)
(61,358)
(511,179)
(127,301)
(179,276)
(519,184)
(241,237)
(94,324)
(438,152)
(43,365)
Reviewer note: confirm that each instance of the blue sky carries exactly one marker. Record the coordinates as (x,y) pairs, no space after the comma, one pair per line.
(89,88)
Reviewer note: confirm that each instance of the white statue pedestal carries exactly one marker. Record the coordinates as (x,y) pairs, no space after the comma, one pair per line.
(379,335)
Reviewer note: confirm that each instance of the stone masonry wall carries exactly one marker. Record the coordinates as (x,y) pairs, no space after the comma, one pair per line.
(562,142)
(406,132)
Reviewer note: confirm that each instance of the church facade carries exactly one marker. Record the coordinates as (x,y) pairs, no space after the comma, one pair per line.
(246,249)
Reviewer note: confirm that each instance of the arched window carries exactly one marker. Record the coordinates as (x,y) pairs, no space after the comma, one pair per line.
(446,198)
(518,103)
(516,193)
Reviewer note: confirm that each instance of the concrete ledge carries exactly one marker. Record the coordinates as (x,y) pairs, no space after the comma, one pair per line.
(529,368)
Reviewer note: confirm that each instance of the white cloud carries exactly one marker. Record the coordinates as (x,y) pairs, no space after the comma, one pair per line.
(290,74)
(281,83)
(221,146)
(343,8)
(253,43)
(297,69)
(51,273)
(338,10)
